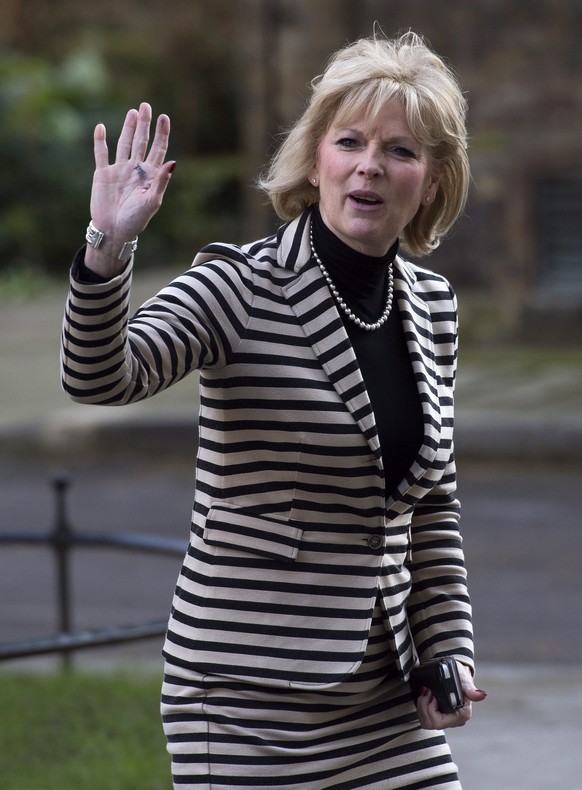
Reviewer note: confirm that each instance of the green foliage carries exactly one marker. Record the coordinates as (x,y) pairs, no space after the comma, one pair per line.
(87,732)
(21,283)
(49,105)
(45,116)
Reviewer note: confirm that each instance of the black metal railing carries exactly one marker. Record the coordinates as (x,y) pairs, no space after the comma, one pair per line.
(62,538)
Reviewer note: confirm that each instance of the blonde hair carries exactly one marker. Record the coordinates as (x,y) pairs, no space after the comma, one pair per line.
(361,78)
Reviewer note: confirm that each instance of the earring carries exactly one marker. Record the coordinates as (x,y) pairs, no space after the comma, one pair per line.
(427,199)
(314,181)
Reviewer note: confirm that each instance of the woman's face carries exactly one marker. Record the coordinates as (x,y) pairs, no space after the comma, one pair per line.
(373,179)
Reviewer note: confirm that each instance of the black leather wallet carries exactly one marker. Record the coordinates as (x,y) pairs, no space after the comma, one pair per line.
(441,676)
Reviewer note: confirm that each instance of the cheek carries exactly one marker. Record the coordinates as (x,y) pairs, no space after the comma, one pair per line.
(329,189)
(332,169)
(416,189)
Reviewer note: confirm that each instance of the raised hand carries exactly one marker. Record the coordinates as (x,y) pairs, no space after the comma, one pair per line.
(127,193)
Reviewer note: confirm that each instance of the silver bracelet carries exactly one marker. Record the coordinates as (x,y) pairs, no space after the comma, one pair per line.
(94,238)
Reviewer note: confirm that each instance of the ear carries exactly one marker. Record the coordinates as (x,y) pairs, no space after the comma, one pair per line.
(433,185)
(435,178)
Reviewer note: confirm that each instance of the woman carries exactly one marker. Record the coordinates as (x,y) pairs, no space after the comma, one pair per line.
(325,558)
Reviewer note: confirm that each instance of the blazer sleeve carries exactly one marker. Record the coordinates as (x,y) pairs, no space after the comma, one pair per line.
(193,323)
(438,607)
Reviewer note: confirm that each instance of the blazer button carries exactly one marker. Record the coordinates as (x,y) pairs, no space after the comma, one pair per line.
(375,541)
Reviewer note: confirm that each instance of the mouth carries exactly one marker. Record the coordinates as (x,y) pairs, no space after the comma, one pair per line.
(365,199)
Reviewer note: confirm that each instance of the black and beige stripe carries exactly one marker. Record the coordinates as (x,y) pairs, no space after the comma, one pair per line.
(292,533)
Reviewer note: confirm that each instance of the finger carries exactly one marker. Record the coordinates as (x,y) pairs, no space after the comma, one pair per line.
(160,183)
(100,146)
(475,694)
(125,142)
(470,691)
(428,713)
(160,143)
(460,716)
(142,132)
(431,718)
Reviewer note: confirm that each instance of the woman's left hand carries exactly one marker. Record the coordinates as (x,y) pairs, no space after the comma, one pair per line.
(430,716)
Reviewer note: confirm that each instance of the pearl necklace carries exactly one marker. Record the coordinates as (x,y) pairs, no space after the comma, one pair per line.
(357,321)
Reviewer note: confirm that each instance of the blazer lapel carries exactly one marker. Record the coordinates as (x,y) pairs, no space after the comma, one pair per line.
(417,325)
(314,306)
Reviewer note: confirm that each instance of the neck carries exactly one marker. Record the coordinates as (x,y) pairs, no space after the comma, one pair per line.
(362,282)
(357,276)
(331,244)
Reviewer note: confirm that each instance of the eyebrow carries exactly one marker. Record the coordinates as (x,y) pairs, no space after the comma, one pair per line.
(398,139)
(346,129)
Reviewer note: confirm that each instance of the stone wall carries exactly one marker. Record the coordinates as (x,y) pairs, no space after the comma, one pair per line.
(521,65)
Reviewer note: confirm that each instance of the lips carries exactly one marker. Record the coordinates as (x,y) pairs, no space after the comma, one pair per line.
(365,198)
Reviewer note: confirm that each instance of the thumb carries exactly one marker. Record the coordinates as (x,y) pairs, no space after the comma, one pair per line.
(472,693)
(475,694)
(160,183)
(164,174)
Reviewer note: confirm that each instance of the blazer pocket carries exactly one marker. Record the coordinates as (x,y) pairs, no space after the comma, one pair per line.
(258,534)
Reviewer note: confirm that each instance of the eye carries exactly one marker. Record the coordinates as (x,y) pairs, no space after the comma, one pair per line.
(404,153)
(347,142)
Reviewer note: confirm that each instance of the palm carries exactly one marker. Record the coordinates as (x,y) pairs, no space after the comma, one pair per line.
(128,193)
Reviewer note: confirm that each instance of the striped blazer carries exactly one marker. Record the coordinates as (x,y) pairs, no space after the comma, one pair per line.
(293,534)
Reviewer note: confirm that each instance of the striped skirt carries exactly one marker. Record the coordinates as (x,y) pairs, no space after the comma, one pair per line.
(224,734)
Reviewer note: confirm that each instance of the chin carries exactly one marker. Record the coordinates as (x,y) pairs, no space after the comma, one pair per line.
(368,239)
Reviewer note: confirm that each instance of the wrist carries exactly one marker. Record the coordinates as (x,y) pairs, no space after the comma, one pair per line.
(121,251)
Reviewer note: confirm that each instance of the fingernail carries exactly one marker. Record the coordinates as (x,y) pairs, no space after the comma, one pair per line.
(480,691)
(172,167)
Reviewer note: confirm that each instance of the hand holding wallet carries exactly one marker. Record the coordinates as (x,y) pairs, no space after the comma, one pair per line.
(441,676)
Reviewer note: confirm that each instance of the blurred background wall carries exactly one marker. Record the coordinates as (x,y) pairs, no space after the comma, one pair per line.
(233,74)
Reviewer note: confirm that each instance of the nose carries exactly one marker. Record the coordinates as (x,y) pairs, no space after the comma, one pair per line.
(370,163)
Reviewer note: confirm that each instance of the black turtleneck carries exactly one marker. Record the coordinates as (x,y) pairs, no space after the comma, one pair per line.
(382,353)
